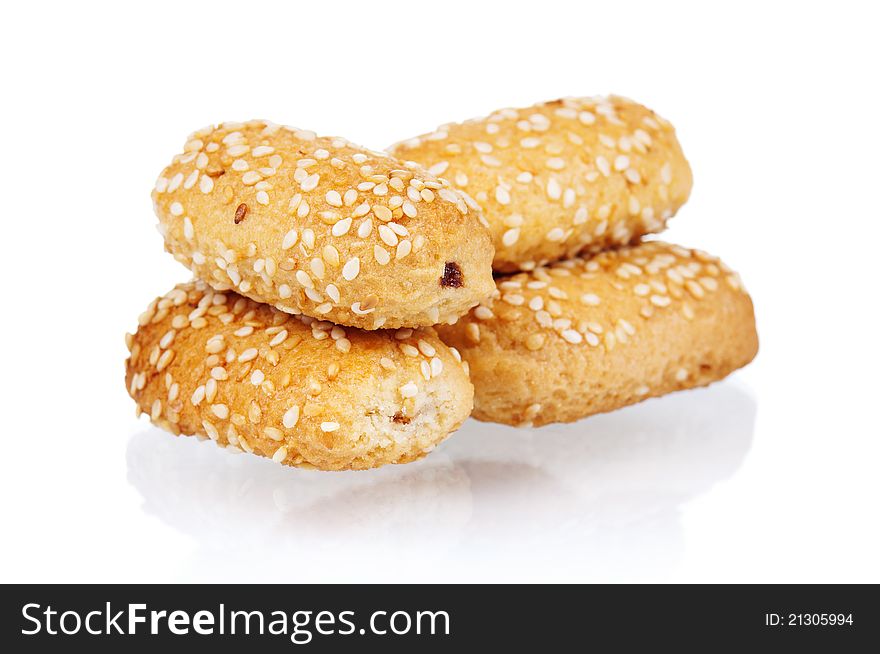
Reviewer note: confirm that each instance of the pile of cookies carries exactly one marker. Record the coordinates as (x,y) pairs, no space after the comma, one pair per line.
(345,315)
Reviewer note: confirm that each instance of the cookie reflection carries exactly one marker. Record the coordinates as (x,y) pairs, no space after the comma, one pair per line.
(597,499)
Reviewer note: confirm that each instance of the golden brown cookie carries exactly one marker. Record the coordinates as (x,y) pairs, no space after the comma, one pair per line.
(301,391)
(586,336)
(322,227)
(563,177)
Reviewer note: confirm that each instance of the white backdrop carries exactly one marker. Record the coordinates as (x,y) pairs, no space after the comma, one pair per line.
(768,476)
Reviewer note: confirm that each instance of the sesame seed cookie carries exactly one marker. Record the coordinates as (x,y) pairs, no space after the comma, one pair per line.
(322,227)
(586,336)
(561,178)
(300,391)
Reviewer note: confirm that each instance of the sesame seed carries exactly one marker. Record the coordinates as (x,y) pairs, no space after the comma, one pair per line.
(554,190)
(211,389)
(291,417)
(383,213)
(341,228)
(387,235)
(273,432)
(404,248)
(438,168)
(572,336)
(502,196)
(556,234)
(220,410)
(303,278)
(210,430)
(310,183)
(250,178)
(280,454)
(318,267)
(409,209)
(329,426)
(333,198)
(176,209)
(586,117)
(191,180)
(534,342)
(409,390)
(219,373)
(660,300)
(436,367)
(248,355)
(290,239)
(352,267)
(590,299)
(279,338)
(381,255)
(175,182)
(510,237)
(426,348)
(483,313)
(632,176)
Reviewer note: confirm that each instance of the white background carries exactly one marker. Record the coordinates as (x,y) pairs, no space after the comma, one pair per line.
(770,475)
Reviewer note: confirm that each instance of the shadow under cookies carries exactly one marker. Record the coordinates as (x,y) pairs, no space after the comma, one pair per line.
(596,499)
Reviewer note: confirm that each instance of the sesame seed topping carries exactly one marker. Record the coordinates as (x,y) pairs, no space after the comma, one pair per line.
(273,432)
(248,355)
(387,235)
(291,417)
(220,410)
(351,269)
(310,183)
(510,237)
(329,426)
(409,390)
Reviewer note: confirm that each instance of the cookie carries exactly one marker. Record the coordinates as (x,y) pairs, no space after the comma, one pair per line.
(560,178)
(321,227)
(586,336)
(300,391)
